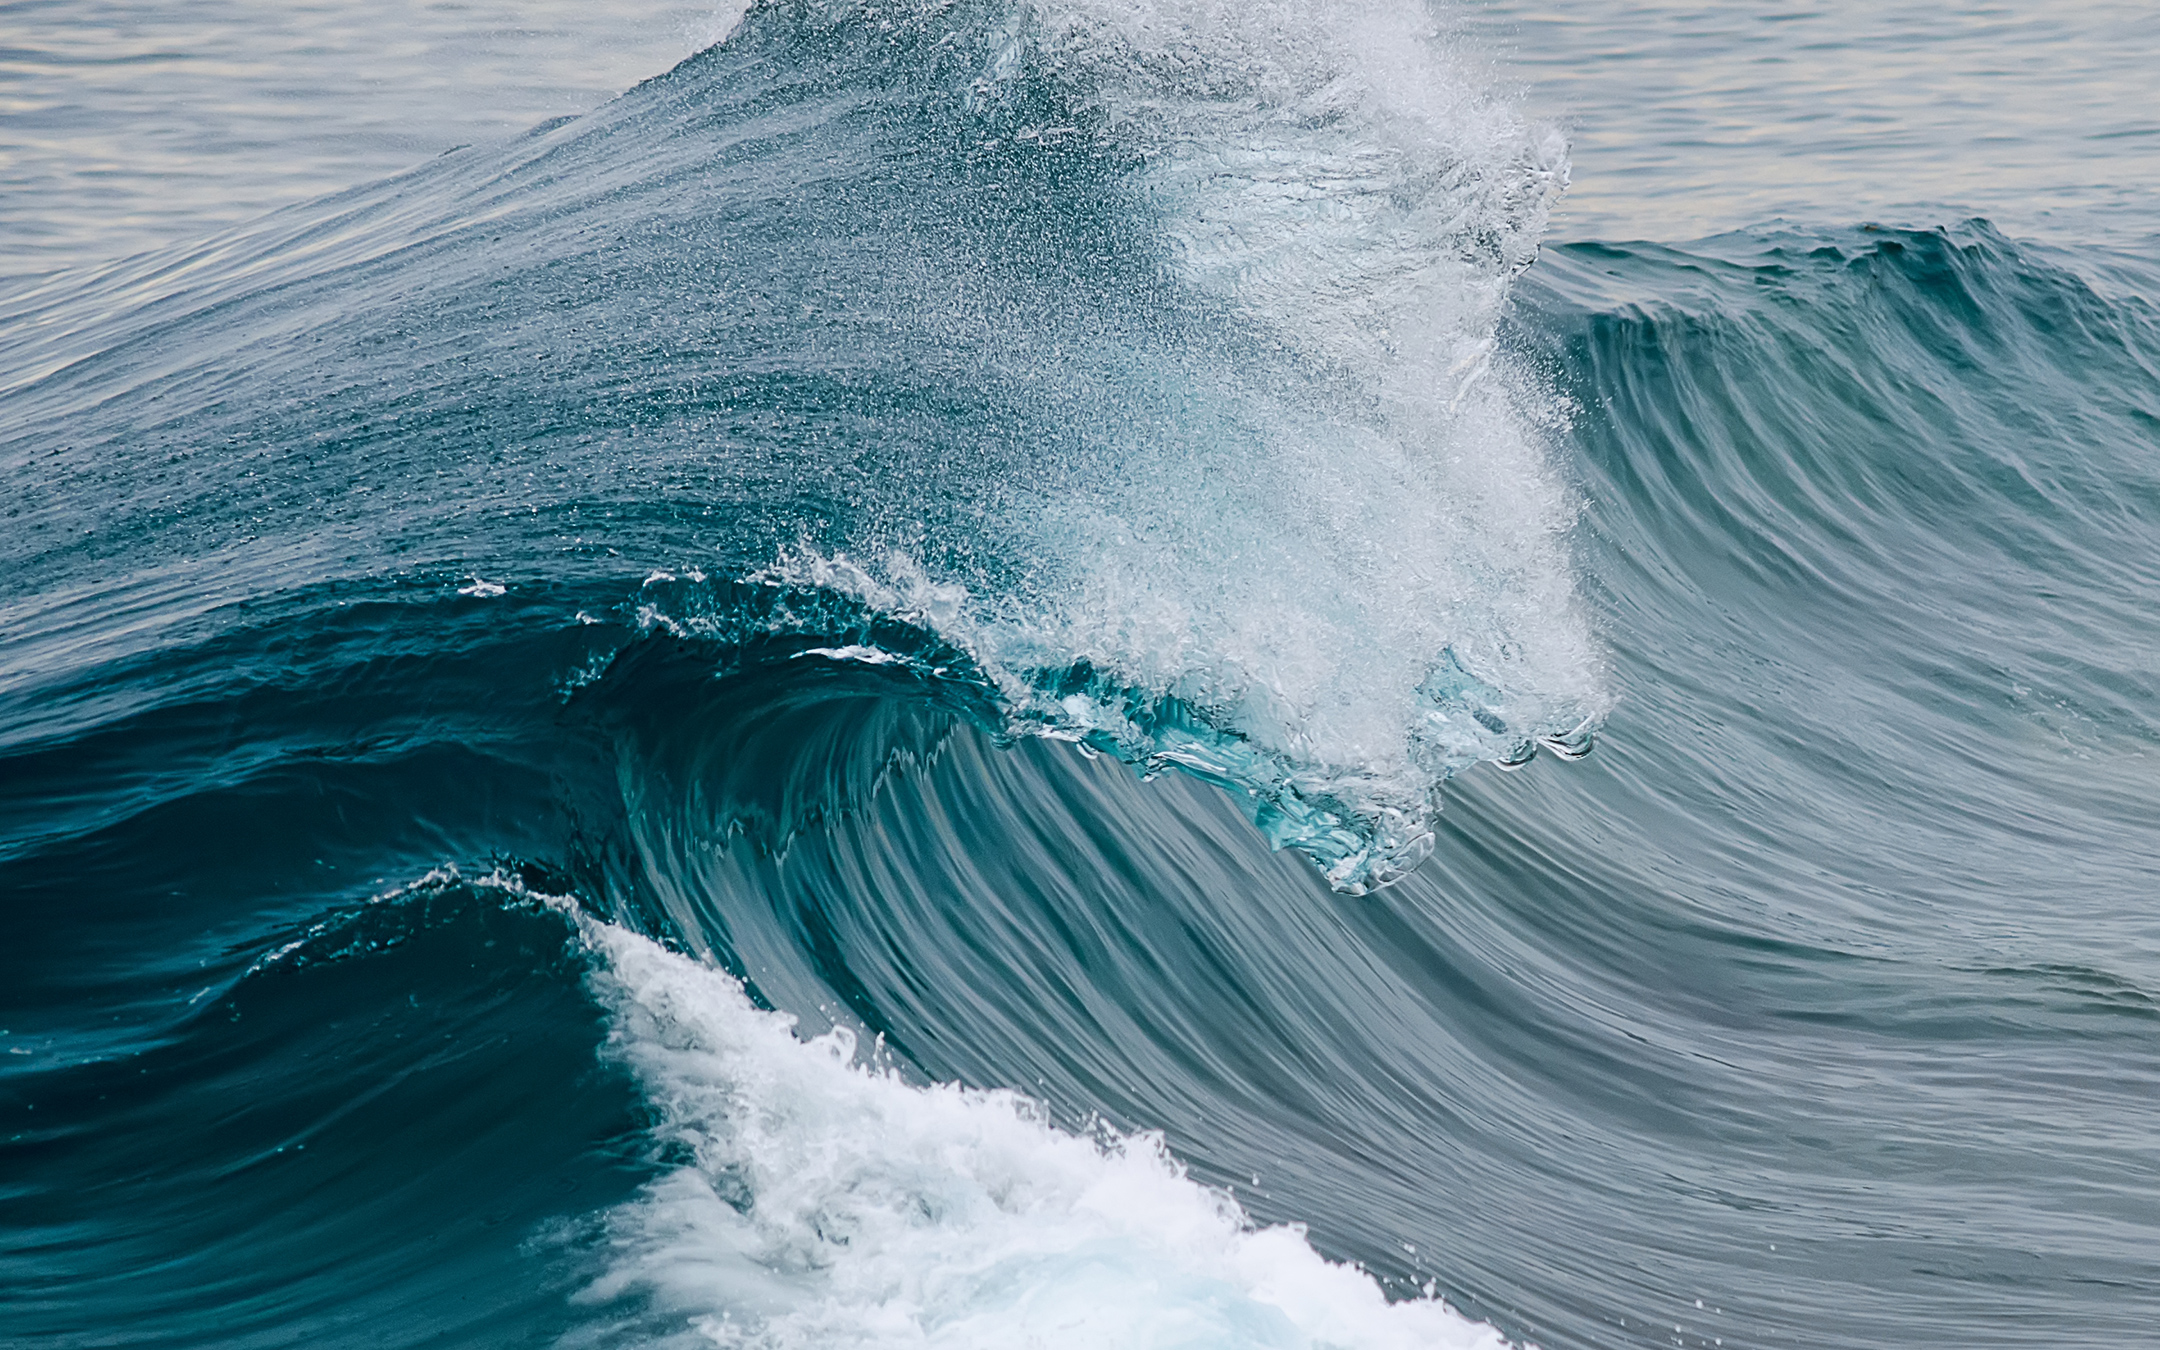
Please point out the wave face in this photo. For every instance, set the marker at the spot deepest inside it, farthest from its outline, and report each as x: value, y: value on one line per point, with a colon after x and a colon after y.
x: 1146, y: 360
x: 569, y: 728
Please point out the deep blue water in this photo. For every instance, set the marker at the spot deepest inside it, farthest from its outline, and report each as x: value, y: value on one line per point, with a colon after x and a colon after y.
x: 864, y: 699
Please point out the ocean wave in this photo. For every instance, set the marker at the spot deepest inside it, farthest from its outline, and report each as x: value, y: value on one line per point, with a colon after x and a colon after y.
x: 828, y: 1202
x: 1150, y: 356
x: 1877, y: 558
x: 767, y: 508
x: 806, y: 1191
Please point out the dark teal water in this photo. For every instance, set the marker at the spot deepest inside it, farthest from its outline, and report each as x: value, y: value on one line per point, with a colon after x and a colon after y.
x: 994, y: 535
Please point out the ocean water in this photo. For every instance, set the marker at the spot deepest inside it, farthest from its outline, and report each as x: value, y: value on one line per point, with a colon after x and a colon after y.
x: 978, y: 674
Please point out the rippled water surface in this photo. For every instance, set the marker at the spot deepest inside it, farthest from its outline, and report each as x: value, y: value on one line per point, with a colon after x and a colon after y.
x: 132, y: 125
x: 1690, y: 119
x: 982, y: 675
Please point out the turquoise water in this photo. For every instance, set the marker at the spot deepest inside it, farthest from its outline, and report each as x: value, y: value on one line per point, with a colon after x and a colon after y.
x: 972, y: 675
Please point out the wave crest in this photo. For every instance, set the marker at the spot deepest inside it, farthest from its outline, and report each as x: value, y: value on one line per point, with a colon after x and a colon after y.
x: 1365, y: 816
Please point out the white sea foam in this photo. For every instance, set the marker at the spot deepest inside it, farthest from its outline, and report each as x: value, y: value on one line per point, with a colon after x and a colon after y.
x: 827, y: 1204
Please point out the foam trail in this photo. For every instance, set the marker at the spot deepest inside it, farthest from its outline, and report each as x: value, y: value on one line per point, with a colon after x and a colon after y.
x: 831, y: 1205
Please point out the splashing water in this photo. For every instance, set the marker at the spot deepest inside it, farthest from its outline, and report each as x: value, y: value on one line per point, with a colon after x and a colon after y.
x: 828, y: 1204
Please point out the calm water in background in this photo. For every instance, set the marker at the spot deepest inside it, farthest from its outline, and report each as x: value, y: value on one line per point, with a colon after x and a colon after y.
x: 1687, y: 120
x: 134, y: 125
x: 128, y: 126
x: 707, y: 520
